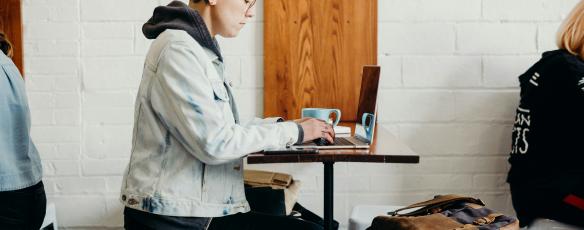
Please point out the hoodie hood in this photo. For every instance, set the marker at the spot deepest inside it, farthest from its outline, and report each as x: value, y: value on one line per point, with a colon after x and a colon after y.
x: 179, y: 16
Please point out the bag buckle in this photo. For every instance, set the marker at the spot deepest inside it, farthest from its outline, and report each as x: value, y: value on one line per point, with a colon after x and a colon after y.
x: 392, y: 213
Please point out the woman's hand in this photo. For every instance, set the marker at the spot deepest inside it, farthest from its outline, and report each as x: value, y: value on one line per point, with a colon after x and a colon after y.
x: 314, y: 129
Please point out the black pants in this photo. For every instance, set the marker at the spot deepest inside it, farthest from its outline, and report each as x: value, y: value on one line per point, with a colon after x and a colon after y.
x: 258, y: 221
x: 531, y: 203
x: 23, y: 209
x: 139, y: 220
x: 134, y: 220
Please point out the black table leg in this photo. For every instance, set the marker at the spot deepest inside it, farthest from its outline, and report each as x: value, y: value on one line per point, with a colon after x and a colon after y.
x: 328, y: 195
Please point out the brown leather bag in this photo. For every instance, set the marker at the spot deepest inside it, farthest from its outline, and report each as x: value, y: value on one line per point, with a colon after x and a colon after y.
x: 446, y: 212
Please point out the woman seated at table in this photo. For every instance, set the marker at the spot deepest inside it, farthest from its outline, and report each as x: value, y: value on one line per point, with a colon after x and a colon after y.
x: 186, y: 165
x: 547, y: 156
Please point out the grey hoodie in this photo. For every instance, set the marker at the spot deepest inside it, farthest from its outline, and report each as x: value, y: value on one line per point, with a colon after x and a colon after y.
x: 179, y: 16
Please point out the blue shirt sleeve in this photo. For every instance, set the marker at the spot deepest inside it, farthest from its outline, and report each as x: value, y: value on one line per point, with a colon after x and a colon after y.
x: 20, y: 165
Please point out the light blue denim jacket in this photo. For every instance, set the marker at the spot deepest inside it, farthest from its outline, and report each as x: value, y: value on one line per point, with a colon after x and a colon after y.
x: 188, y: 146
x: 20, y: 164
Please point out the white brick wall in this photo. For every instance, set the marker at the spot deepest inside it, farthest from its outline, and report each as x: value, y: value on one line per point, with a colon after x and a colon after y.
x: 496, y: 38
x: 449, y: 90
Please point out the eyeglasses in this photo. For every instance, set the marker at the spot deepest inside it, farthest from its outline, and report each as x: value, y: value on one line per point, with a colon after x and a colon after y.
x: 250, y: 2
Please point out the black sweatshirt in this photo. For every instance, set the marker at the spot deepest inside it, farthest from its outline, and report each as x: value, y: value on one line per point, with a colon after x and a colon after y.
x: 548, y: 135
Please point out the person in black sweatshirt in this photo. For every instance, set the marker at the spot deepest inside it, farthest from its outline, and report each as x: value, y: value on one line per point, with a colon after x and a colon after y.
x: 547, y: 155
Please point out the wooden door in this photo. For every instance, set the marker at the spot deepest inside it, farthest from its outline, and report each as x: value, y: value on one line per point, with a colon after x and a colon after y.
x: 11, y: 25
x: 314, y: 54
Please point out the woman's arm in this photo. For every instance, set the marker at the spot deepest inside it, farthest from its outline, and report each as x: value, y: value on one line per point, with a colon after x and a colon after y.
x: 183, y: 96
x: 259, y: 121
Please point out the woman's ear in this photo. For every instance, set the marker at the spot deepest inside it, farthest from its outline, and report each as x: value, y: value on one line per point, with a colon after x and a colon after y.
x: 212, y: 2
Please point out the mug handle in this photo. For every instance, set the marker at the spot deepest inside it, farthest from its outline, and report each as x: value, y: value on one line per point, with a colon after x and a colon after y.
x: 371, y: 122
x: 338, y: 118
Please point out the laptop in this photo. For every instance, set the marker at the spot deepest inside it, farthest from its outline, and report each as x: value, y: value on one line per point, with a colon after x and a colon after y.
x: 366, y: 113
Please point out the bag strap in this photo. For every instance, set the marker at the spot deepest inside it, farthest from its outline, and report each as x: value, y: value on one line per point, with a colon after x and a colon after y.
x: 437, y: 202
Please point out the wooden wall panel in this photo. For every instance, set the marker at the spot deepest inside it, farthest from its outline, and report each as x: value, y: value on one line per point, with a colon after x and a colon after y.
x: 11, y: 24
x: 314, y: 54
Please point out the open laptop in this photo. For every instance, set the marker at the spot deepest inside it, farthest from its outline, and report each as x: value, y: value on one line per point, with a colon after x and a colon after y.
x: 366, y: 113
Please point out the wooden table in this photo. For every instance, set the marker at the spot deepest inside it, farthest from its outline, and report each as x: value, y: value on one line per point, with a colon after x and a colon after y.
x: 386, y: 148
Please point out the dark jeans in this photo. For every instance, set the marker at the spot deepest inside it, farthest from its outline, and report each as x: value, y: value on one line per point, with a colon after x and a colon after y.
x: 23, y: 209
x: 134, y: 220
x: 259, y: 221
x: 139, y: 220
x: 532, y: 203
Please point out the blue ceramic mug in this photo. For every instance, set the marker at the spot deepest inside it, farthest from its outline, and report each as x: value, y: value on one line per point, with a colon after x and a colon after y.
x: 322, y: 114
x: 368, y: 123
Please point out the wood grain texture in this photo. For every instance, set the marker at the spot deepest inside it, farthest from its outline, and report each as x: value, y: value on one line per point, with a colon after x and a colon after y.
x: 314, y: 53
x: 11, y: 24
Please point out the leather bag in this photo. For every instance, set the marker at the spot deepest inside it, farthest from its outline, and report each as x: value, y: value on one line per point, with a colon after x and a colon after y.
x: 446, y: 212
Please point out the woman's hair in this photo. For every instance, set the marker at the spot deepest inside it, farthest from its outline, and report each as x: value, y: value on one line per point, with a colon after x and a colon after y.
x: 571, y: 33
x: 5, y: 45
x: 207, y: 1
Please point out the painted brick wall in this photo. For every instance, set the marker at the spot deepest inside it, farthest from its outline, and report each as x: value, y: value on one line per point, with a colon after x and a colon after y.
x: 449, y: 89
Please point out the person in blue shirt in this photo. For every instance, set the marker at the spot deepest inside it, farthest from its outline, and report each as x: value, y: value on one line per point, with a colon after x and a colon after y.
x: 22, y: 194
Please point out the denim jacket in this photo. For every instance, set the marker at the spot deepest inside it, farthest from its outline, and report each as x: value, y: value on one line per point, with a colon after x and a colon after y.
x: 188, y: 145
x: 20, y: 164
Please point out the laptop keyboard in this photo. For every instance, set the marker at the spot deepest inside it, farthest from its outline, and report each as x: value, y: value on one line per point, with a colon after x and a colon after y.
x: 338, y: 141
x: 342, y: 141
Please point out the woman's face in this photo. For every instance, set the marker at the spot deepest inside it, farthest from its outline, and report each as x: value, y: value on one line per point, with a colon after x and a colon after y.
x: 229, y: 16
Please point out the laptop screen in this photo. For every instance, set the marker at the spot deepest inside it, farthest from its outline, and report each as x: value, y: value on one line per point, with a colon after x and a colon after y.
x: 366, y: 112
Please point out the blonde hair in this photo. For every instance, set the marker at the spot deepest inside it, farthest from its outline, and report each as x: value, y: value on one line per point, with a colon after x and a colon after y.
x: 571, y: 33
